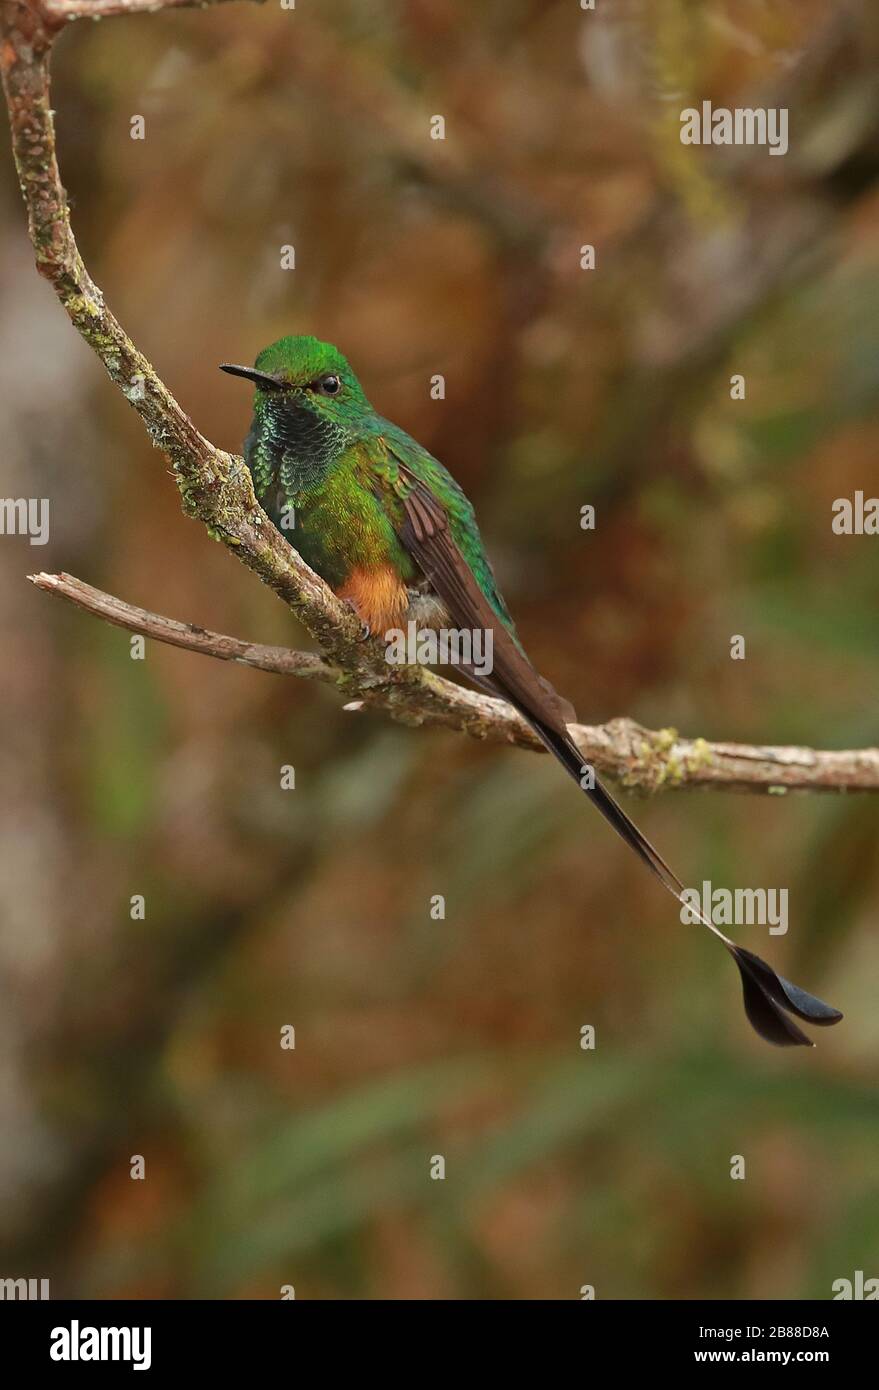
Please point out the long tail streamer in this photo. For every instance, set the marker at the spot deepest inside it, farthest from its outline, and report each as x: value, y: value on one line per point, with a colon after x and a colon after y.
x: 769, y: 998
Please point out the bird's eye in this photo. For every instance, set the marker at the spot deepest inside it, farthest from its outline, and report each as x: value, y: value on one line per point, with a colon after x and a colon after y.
x: 328, y: 386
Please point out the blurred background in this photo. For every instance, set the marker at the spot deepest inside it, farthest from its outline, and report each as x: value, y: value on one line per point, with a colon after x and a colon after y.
x: 311, y: 908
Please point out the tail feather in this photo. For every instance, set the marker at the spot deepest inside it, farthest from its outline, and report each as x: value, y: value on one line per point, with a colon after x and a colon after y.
x: 769, y: 998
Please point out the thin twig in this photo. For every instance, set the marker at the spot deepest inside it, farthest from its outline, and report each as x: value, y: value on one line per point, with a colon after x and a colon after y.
x: 280, y: 660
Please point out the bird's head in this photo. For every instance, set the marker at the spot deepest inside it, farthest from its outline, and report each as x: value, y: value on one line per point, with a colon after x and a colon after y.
x: 302, y: 373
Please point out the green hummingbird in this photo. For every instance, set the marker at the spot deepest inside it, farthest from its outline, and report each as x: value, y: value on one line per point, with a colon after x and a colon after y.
x: 388, y: 528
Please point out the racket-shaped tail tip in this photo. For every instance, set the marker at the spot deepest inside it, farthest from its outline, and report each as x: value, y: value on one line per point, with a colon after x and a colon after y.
x: 770, y: 999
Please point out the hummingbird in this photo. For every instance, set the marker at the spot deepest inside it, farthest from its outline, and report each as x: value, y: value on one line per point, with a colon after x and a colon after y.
x: 390, y: 531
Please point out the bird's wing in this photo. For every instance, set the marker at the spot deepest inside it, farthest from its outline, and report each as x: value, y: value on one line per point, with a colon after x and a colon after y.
x: 425, y: 532
x: 408, y: 466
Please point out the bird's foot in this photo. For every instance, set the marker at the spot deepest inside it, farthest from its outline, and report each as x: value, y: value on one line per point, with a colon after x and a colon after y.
x: 365, y: 632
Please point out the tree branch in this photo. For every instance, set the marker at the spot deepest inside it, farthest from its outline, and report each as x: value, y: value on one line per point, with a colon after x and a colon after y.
x: 189, y: 636
x: 63, y: 11
x: 642, y: 759
x: 216, y: 489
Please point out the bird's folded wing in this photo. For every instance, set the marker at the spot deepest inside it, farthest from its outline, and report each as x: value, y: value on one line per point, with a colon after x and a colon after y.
x: 427, y: 537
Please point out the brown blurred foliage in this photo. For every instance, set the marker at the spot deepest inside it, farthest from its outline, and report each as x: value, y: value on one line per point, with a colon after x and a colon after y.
x: 460, y: 1037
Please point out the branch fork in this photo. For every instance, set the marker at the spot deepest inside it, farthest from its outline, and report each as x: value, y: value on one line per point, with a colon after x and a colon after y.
x: 216, y: 489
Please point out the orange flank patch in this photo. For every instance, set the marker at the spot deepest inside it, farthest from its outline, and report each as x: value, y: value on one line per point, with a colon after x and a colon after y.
x: 379, y: 596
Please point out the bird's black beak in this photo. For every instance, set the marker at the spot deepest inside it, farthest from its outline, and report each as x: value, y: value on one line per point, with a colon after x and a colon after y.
x: 260, y: 379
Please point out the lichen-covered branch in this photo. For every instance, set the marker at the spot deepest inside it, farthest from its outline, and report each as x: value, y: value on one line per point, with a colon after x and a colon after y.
x: 642, y: 759
x: 216, y: 489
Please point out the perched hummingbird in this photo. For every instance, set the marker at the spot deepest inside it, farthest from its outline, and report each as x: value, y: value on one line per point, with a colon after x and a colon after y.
x: 389, y: 529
